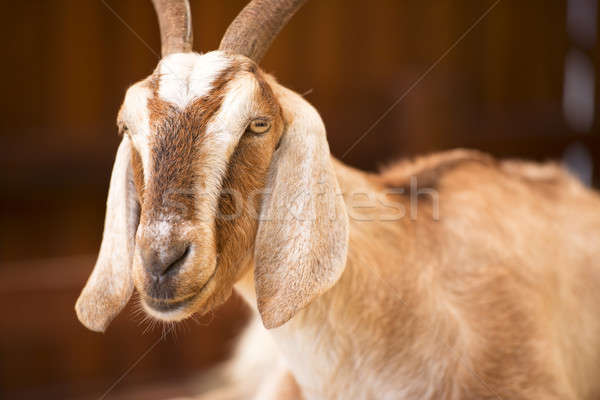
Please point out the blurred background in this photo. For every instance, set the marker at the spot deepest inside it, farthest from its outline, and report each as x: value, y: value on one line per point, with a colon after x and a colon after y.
x: 513, y: 78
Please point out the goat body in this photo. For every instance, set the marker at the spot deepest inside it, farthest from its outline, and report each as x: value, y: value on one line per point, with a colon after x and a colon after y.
x: 496, y: 298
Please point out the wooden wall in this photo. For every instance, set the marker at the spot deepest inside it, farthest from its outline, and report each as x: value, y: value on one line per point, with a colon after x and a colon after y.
x: 67, y: 64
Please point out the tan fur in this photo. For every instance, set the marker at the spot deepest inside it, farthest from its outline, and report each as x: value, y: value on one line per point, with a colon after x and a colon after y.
x: 497, y: 299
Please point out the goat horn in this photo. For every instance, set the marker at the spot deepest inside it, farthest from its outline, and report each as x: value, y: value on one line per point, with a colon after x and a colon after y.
x: 175, y: 21
x: 255, y: 27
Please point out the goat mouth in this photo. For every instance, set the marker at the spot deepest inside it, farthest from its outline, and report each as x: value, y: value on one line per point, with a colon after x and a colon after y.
x: 167, y: 305
x: 170, y: 309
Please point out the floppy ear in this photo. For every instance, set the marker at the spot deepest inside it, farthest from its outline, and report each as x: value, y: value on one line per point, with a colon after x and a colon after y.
x: 110, y: 285
x: 302, y: 238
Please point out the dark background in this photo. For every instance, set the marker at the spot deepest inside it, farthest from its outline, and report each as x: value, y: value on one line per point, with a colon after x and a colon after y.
x: 519, y: 83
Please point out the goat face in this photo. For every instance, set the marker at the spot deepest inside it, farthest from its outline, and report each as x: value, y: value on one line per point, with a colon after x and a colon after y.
x: 203, y: 130
x: 220, y: 169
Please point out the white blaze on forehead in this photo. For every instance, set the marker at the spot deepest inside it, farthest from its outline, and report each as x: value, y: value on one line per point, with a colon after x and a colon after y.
x: 185, y: 77
x: 237, y: 109
x: 137, y: 117
x: 225, y: 129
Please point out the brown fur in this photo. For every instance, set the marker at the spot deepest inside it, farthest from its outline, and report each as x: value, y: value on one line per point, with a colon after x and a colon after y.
x: 138, y: 172
x: 427, y: 170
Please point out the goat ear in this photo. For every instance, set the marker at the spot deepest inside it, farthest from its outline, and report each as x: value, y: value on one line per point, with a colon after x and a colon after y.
x: 110, y: 285
x: 302, y: 238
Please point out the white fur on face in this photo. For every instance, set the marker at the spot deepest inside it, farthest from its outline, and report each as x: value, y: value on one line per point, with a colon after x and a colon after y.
x: 223, y: 132
x: 185, y: 77
x: 137, y: 117
x: 169, y: 316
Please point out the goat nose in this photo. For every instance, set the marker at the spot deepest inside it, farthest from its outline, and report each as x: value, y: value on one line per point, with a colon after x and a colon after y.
x: 159, y: 264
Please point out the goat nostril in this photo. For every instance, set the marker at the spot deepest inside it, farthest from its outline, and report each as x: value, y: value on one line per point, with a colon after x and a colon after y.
x: 178, y: 262
x: 156, y: 278
x: 159, y: 265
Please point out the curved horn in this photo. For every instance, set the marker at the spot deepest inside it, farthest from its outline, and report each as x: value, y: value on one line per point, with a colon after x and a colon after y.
x: 255, y: 27
x: 175, y: 21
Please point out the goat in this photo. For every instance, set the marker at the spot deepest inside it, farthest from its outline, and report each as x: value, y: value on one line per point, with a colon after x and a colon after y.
x: 489, y: 289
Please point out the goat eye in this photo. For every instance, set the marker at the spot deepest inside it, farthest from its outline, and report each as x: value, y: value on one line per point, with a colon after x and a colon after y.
x: 259, y: 125
x: 123, y: 130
